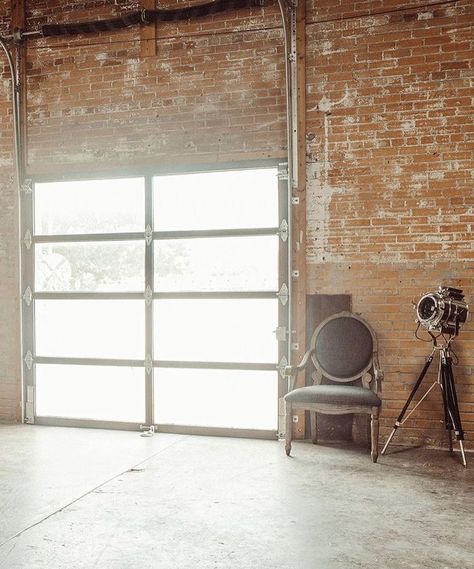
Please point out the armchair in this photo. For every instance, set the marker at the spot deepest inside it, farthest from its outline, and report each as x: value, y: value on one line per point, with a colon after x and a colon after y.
x: 343, y: 349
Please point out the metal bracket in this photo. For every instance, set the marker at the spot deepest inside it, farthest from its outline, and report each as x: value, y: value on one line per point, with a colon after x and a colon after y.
x: 28, y: 239
x: 283, y: 231
x: 295, y: 346
x: 148, y: 295
x: 148, y: 235
x: 295, y: 200
x: 295, y: 274
x: 28, y: 296
x: 283, y: 294
x: 281, y: 367
x: 29, y: 360
x: 148, y: 364
x: 148, y: 430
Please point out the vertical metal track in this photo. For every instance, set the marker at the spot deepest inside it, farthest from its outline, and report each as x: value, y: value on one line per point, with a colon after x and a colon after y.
x: 27, y: 255
x: 149, y: 286
x: 288, y: 15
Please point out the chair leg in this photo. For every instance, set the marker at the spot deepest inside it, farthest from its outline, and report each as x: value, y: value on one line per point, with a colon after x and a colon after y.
x: 289, y: 428
x: 374, y: 431
x: 314, y: 427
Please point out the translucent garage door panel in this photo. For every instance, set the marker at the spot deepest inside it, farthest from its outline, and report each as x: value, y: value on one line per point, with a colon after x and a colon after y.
x: 90, y: 206
x: 90, y: 267
x: 90, y: 328
x: 216, y: 200
x: 216, y: 330
x: 216, y: 398
x: 90, y: 392
x: 217, y: 264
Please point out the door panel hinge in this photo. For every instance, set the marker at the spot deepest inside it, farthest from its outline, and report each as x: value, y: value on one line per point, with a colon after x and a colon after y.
x: 28, y: 239
x: 148, y: 364
x: 283, y: 294
x: 28, y: 296
x: 148, y: 295
x: 281, y: 367
x: 148, y: 235
x: 28, y: 359
x: 283, y: 230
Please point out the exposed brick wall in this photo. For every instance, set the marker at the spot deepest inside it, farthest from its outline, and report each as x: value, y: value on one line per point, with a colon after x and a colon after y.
x: 216, y: 88
x: 389, y: 144
x: 390, y: 182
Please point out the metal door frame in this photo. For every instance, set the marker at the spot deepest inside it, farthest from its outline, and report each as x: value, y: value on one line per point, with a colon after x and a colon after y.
x: 150, y: 236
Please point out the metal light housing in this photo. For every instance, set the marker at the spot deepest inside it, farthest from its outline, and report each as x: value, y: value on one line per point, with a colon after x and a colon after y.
x: 443, y: 311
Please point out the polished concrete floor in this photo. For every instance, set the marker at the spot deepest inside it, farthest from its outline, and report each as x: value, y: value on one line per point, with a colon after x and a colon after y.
x: 80, y: 498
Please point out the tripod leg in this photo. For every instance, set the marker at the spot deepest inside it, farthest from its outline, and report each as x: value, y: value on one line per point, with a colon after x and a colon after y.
x: 453, y: 407
x: 409, y: 400
x: 442, y: 381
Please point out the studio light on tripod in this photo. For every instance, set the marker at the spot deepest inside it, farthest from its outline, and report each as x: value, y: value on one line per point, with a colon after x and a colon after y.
x: 443, y: 311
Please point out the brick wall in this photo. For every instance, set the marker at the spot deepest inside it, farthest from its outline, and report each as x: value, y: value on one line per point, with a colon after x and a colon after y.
x: 390, y: 182
x: 389, y: 146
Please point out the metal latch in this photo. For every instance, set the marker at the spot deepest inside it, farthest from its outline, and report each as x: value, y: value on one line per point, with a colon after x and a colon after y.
x: 281, y: 333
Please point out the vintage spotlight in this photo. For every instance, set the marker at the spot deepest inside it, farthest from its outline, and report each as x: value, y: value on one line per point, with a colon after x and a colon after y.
x: 443, y: 311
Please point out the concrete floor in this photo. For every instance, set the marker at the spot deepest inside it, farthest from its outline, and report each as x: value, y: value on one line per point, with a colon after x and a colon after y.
x: 81, y: 498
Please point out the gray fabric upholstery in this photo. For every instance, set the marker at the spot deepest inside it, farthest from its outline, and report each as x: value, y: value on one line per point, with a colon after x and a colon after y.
x: 343, y: 347
x: 334, y: 394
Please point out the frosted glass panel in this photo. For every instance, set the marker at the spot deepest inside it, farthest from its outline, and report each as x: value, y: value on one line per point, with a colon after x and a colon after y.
x: 217, y: 264
x: 216, y: 200
x: 90, y: 206
x: 216, y: 398
x: 216, y: 330
x: 90, y: 392
x: 84, y: 267
x: 90, y: 328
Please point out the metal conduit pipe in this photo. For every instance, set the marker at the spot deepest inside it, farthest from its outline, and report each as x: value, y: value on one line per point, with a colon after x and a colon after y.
x: 18, y: 166
x: 16, y: 114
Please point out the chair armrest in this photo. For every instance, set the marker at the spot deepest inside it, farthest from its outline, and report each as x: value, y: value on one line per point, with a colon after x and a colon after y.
x: 291, y: 371
x: 378, y: 372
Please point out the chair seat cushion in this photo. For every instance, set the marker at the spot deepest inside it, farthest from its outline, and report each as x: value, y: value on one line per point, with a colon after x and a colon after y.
x: 334, y: 394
